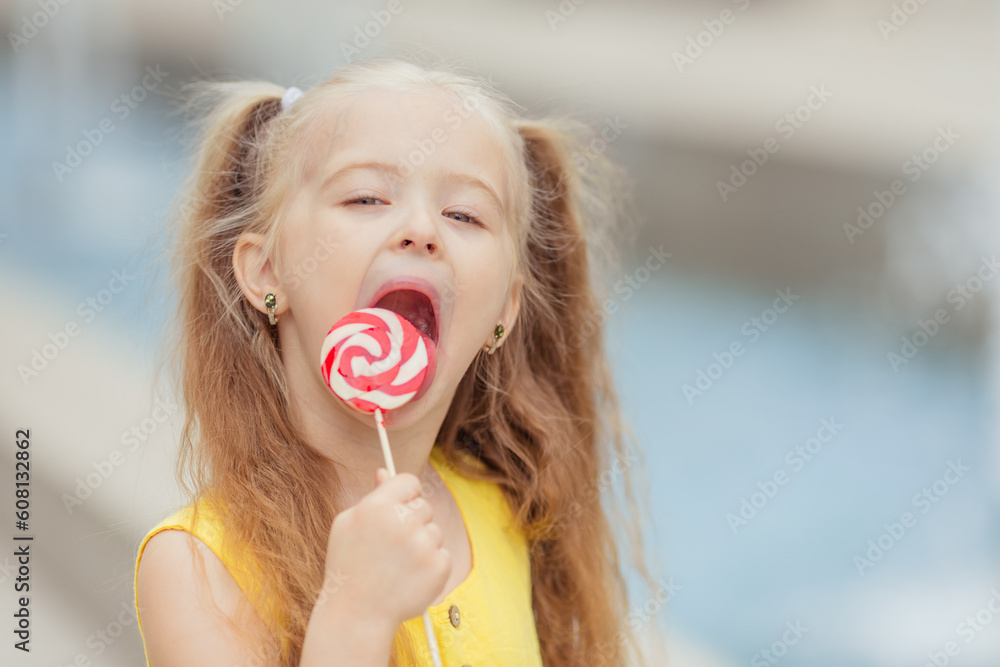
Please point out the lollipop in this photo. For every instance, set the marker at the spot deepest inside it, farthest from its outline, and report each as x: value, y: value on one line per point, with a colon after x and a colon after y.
x: 374, y: 359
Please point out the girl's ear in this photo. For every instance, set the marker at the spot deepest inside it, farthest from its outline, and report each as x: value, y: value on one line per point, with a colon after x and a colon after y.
x: 255, y: 273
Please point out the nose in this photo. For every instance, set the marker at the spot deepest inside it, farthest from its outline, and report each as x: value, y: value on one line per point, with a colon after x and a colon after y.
x: 419, y: 234
x: 431, y: 247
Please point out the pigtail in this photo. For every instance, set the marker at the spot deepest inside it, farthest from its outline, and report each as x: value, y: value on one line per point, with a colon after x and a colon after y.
x: 558, y: 268
x: 215, y: 207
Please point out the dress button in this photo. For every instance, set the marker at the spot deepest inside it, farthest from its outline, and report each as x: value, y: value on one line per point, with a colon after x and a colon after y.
x: 454, y: 616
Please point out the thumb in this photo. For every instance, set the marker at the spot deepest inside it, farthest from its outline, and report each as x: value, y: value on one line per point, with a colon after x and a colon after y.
x: 380, y: 476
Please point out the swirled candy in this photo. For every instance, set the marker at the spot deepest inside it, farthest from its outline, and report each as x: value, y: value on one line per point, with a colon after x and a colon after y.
x: 375, y: 358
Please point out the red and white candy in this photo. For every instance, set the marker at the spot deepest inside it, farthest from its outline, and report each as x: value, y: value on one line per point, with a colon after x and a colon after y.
x: 375, y: 358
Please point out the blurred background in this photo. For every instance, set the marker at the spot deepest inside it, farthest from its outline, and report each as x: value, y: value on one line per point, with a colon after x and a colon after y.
x: 815, y: 361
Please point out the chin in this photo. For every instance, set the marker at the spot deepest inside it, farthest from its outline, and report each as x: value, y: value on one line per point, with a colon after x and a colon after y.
x: 426, y: 401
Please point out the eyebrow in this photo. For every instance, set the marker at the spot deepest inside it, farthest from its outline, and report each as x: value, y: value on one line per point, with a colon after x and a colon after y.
x: 395, y: 171
x: 459, y: 178
x: 382, y: 167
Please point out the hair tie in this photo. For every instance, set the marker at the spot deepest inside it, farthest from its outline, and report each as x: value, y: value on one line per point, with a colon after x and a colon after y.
x: 288, y: 99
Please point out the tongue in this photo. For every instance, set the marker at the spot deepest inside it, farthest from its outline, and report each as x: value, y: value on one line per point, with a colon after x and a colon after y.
x: 414, y: 306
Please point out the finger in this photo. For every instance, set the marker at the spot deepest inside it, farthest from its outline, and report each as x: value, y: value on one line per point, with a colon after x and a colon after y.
x: 437, y: 537
x: 402, y: 488
x: 418, y: 509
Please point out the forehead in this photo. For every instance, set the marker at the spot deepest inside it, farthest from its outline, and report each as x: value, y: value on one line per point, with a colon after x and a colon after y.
x: 421, y: 130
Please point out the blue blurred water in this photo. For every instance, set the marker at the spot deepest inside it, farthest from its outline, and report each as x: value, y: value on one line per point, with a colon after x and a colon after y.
x: 794, y: 559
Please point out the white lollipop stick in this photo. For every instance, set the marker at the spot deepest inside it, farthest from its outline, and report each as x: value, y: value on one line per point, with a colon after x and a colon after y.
x: 391, y: 468
x: 383, y: 437
x: 431, y: 639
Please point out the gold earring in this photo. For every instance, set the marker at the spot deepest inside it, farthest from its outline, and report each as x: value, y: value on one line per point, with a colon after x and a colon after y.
x: 270, y: 302
x: 497, y: 335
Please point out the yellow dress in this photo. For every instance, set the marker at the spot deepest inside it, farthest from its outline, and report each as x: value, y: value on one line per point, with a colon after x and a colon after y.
x: 487, y: 620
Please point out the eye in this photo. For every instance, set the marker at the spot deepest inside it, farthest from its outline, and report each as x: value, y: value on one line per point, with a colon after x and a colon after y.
x: 365, y: 199
x: 466, y: 216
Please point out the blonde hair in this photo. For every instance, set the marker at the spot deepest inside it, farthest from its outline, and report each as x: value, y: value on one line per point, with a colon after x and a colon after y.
x: 542, y: 415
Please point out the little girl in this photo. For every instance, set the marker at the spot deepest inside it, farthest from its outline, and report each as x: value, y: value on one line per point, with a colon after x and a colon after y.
x: 423, y: 192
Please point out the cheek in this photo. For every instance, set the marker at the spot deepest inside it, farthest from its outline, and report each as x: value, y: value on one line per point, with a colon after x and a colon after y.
x: 484, y: 287
x: 319, y: 254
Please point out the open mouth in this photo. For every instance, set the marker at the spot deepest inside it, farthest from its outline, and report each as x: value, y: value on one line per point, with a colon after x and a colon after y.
x: 415, y: 307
